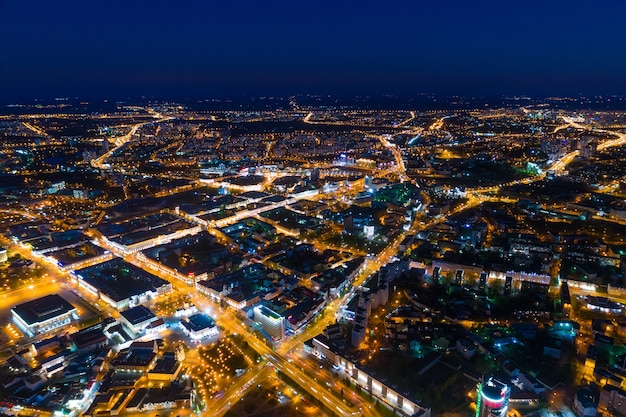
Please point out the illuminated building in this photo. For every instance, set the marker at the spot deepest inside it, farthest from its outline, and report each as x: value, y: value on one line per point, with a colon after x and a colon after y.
x: 273, y: 323
x: 493, y: 398
x: 138, y: 318
x: 508, y: 284
x: 91, y: 338
x: 199, y: 326
x: 166, y: 368
x: 121, y: 284
x: 436, y: 274
x: 482, y: 281
x: 613, y: 400
x: 44, y: 314
x: 139, y: 357
x: 603, y: 305
x: 459, y: 276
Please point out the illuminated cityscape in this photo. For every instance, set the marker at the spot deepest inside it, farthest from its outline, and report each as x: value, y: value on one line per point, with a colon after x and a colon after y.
x: 368, y: 209
x: 166, y: 257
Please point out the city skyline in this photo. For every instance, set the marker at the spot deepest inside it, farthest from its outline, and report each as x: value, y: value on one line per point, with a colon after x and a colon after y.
x: 370, y: 208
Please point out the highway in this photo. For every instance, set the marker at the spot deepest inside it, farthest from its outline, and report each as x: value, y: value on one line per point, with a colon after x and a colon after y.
x: 122, y: 140
x: 334, y: 383
x: 228, y: 320
x: 561, y: 127
x: 243, y: 384
x: 437, y: 124
x: 400, y: 168
x: 48, y: 284
x: 408, y: 120
x: 618, y: 141
x: 35, y: 129
x: 559, y: 165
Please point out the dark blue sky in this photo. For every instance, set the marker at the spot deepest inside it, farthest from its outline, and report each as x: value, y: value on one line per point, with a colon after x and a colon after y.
x: 207, y: 48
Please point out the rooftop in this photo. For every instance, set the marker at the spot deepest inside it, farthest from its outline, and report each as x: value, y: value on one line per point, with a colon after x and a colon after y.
x: 198, y: 322
x: 166, y: 365
x: 44, y: 308
x: 119, y: 280
x: 88, y: 337
x: 137, y: 314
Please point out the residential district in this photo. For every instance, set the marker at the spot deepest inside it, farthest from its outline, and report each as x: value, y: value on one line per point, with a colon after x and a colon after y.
x: 302, y: 256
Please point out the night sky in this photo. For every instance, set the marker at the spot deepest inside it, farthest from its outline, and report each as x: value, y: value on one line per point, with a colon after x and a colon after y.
x: 209, y: 48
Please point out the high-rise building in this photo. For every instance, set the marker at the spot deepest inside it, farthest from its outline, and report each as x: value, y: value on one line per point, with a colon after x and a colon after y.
x: 482, y: 281
x: 493, y: 398
x: 508, y: 284
x: 459, y: 276
x: 272, y: 322
x: 436, y: 274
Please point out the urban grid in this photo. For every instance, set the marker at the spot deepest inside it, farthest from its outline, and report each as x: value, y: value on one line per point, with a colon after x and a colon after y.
x: 309, y: 258
x: 319, y: 208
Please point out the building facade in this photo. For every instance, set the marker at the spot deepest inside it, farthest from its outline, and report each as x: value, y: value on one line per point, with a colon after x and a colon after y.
x: 273, y: 323
x: 44, y: 314
x: 493, y: 398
